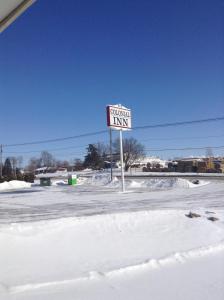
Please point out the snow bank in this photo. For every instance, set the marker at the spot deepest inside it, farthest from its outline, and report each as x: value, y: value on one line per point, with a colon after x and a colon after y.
x: 85, y: 247
x: 14, y: 185
x: 151, y: 183
x: 60, y: 182
x: 81, y: 180
x: 67, y: 258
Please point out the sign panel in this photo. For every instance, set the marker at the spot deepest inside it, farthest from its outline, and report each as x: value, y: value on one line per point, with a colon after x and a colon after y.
x: 118, y: 117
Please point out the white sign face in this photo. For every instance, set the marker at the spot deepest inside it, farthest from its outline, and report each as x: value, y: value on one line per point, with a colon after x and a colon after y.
x: 118, y: 117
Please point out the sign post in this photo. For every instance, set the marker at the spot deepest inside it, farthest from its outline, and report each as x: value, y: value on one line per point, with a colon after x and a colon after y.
x: 122, y: 163
x: 1, y: 161
x: 119, y: 118
x: 111, y: 158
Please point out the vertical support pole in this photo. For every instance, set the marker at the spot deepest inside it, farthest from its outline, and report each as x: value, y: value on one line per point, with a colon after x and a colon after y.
x: 122, y: 163
x: 15, y: 165
x: 111, y: 158
x: 1, y: 160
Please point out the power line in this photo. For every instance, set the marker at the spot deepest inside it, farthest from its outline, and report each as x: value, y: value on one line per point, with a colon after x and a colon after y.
x: 38, y: 151
x: 182, y: 138
x: 81, y: 146
x: 54, y: 149
x: 183, y: 149
x: 105, y: 131
x: 179, y: 123
x: 57, y: 139
x: 72, y: 155
x: 147, y: 150
x: 151, y: 150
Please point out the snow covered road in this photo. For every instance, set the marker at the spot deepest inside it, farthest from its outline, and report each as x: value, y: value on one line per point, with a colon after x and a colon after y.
x: 61, y: 201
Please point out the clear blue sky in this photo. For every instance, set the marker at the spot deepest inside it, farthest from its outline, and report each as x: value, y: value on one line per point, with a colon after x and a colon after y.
x: 62, y: 62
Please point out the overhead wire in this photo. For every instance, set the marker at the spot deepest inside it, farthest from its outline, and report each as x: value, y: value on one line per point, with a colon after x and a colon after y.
x: 81, y: 146
x: 183, y: 138
x: 187, y: 148
x: 179, y: 123
x: 57, y: 139
x: 105, y: 131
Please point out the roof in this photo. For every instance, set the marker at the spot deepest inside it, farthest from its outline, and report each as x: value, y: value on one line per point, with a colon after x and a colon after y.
x: 11, y: 9
x: 190, y: 159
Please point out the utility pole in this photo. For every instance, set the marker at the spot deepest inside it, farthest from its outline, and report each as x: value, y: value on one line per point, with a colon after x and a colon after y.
x: 1, y: 150
x: 111, y: 158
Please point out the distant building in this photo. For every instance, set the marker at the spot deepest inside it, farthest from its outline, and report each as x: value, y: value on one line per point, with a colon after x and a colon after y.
x: 150, y: 162
x: 200, y: 165
x: 188, y: 165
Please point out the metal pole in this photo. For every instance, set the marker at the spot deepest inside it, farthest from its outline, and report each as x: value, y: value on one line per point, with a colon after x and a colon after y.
x: 122, y: 163
x: 1, y: 160
x: 111, y: 158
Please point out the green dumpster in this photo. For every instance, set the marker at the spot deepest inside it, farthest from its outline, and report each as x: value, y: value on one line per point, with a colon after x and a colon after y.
x: 72, y: 179
x: 45, y: 181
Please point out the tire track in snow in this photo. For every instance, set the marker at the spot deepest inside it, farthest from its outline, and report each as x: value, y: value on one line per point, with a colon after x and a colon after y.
x: 178, y: 257
x: 150, y: 264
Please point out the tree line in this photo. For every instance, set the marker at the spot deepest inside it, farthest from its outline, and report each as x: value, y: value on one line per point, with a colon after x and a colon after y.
x: 99, y: 153
x: 11, y: 170
x: 97, y: 157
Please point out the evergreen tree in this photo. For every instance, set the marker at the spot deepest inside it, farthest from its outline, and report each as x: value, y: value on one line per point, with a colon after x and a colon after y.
x: 7, y: 168
x: 93, y: 159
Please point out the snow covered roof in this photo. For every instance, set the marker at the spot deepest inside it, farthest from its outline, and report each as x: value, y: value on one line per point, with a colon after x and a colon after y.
x: 152, y: 160
x: 190, y: 159
x: 42, y: 169
x: 11, y: 9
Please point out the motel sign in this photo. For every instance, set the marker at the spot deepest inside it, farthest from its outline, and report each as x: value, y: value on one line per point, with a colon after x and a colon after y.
x: 118, y: 117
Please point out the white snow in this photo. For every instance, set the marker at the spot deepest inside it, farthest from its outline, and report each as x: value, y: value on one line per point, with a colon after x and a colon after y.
x: 59, y: 182
x: 90, y: 241
x: 14, y: 185
x: 151, y: 183
x: 152, y: 160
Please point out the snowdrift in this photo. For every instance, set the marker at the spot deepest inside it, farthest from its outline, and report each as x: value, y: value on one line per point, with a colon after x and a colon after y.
x: 80, y: 181
x: 14, y: 185
x: 151, y: 183
x: 43, y: 253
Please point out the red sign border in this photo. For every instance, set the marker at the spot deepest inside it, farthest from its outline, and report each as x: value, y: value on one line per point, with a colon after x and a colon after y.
x: 108, y: 117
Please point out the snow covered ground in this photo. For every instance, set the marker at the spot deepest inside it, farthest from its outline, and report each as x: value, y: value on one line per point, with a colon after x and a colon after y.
x: 91, y: 241
x: 14, y: 185
x: 132, y: 172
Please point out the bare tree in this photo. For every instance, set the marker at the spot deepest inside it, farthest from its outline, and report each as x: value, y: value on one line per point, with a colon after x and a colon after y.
x: 62, y: 164
x: 78, y: 164
x: 102, y: 149
x: 33, y: 164
x: 13, y: 160
x: 132, y: 151
x: 47, y: 159
x: 19, y: 161
x: 16, y: 164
